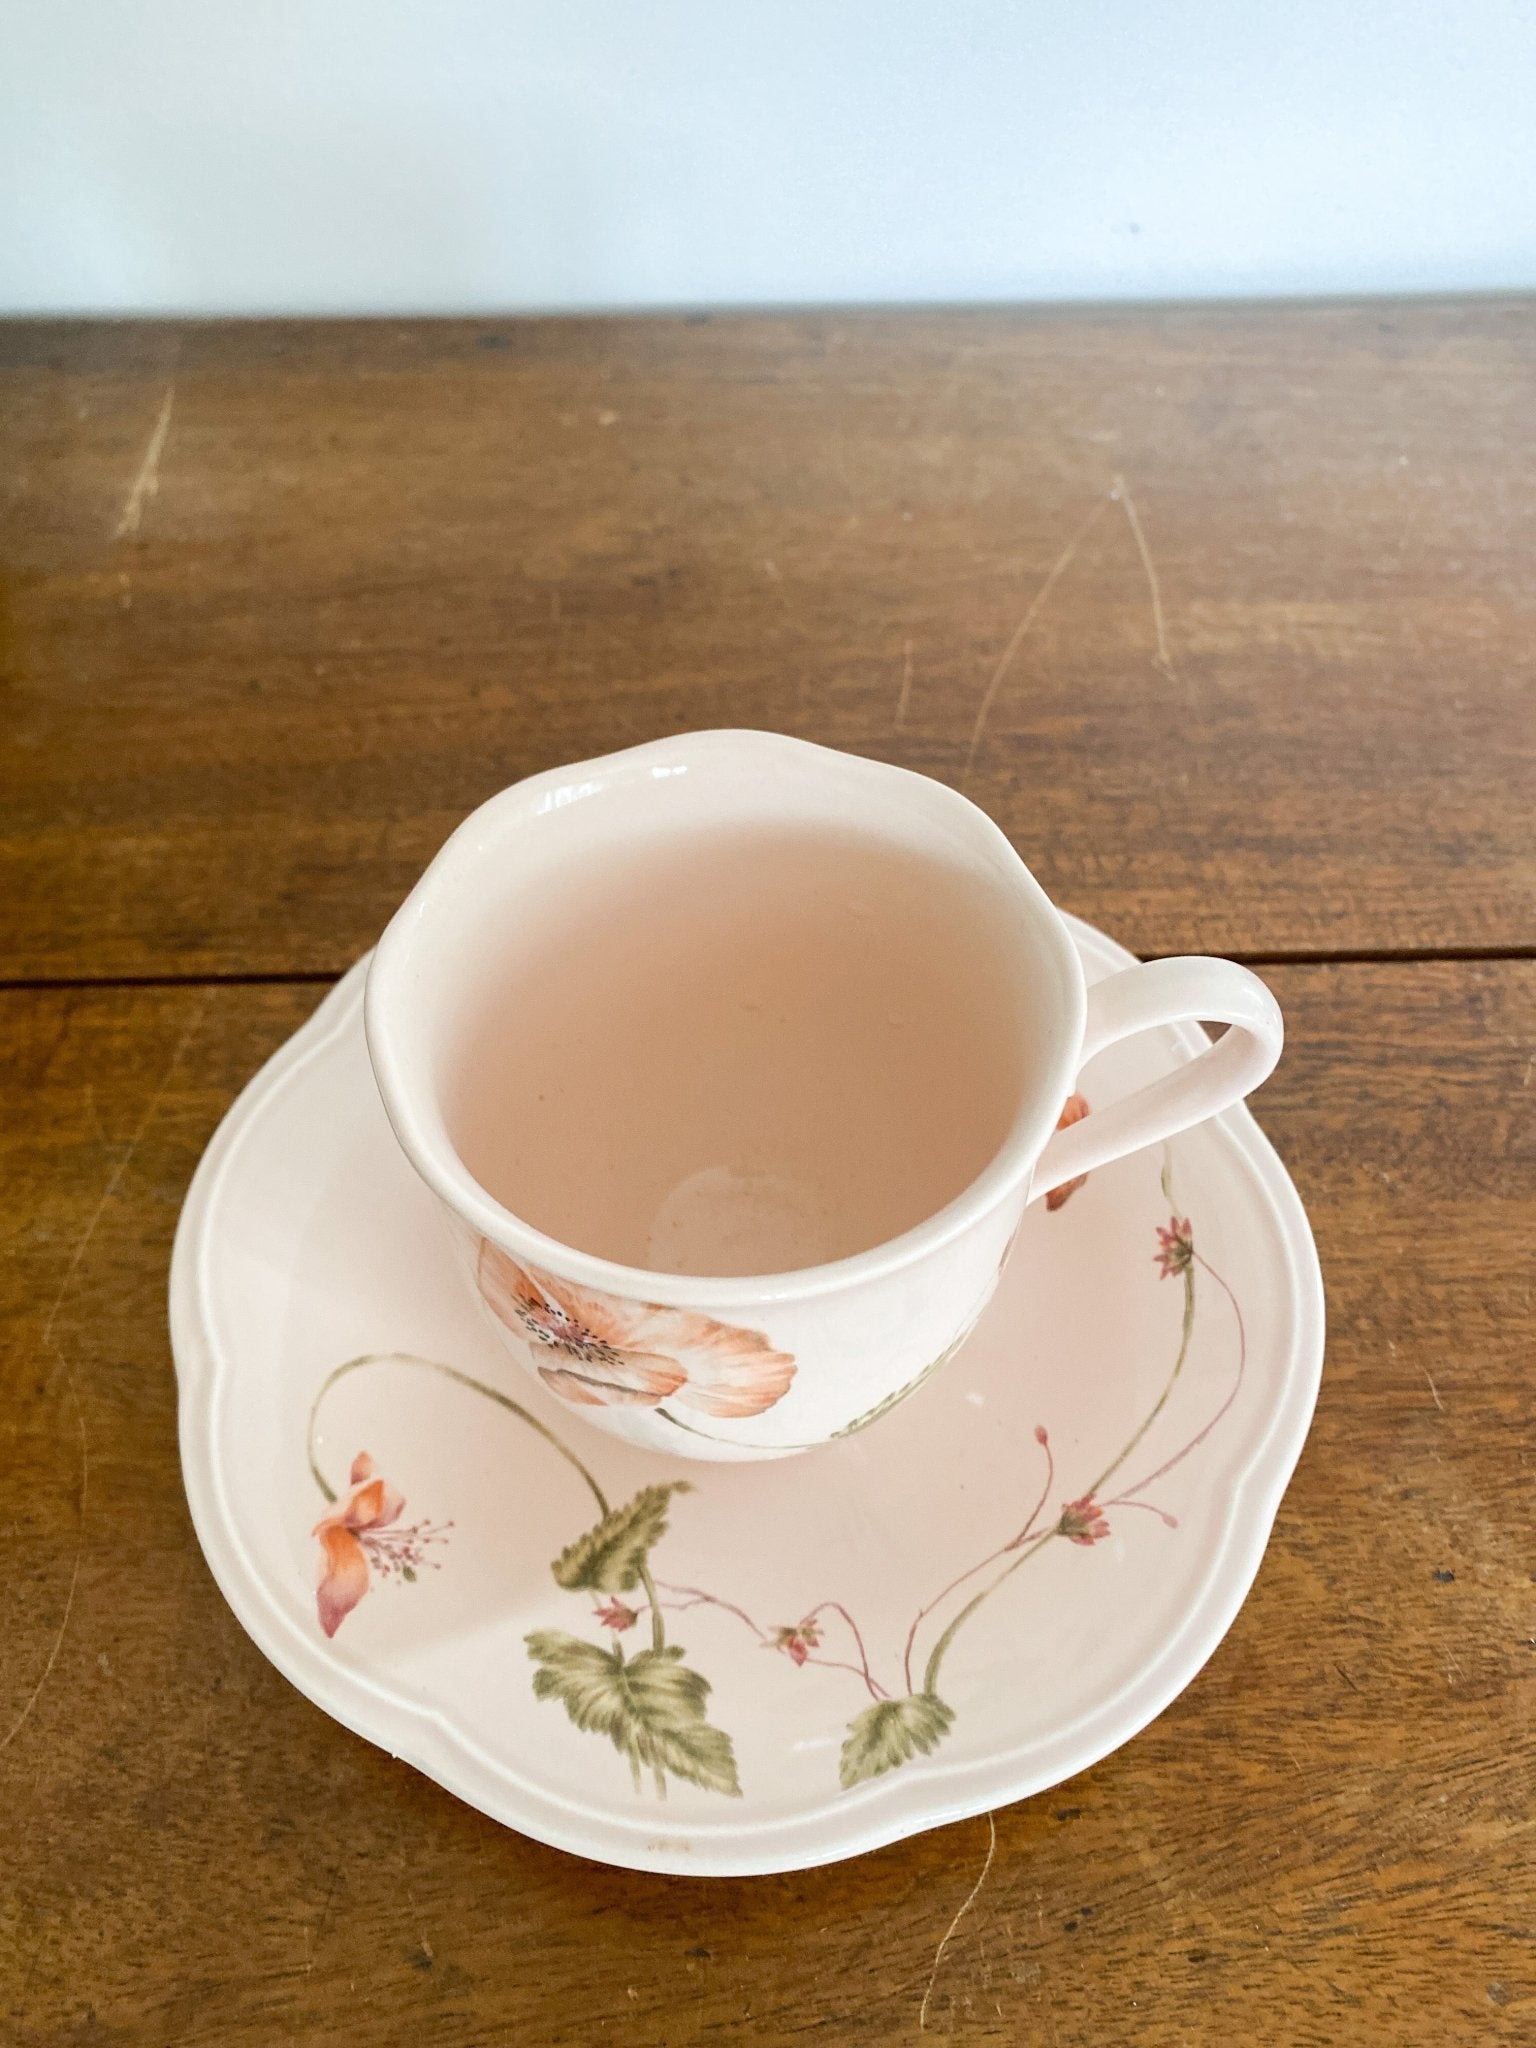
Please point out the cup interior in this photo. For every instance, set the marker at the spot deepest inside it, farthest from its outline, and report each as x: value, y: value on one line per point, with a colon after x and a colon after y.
x: 728, y: 1008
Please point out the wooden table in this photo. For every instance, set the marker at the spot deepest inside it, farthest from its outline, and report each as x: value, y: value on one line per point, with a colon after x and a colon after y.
x: 1229, y: 617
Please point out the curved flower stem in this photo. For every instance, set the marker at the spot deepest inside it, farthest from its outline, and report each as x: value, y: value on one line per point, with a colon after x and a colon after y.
x: 1125, y: 1500
x: 971, y: 1570
x: 937, y: 1653
x: 1198, y: 1439
x: 876, y: 1690
x: 447, y: 1372
x: 695, y: 1596
x: 658, y: 1626
x: 658, y: 1642
x: 1162, y: 1400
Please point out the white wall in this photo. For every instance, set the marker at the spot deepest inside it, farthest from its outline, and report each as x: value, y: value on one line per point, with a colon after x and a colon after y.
x: 437, y: 155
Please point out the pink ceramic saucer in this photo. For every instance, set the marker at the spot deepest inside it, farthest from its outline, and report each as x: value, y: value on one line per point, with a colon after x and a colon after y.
x: 749, y: 1668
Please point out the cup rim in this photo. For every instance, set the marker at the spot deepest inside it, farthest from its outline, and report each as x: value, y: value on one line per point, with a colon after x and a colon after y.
x: 424, y: 1138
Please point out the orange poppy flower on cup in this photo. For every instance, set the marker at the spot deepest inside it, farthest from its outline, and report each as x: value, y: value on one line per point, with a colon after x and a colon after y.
x: 598, y: 1350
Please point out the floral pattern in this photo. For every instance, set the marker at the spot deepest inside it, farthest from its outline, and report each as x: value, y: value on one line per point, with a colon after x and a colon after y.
x: 1083, y: 1521
x: 649, y: 1703
x: 596, y: 1350
x: 798, y: 1641
x: 1176, y: 1248
x: 615, y: 1616
x: 1074, y: 1112
x: 360, y: 1536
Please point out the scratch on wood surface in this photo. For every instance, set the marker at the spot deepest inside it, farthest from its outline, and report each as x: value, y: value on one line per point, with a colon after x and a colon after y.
x: 1016, y: 640
x: 1434, y: 1390
x: 1122, y: 491
x: 147, y: 482
x: 114, y: 1179
x: 95, y: 1113
x: 74, y: 1575
x: 965, y: 1907
x: 906, y: 684
x: 47, y: 1342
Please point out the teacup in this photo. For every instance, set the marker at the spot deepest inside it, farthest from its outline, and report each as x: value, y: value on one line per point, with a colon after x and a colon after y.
x: 735, y: 1061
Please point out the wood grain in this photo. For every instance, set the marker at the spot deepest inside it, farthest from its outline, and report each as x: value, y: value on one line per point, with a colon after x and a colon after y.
x: 1327, y: 1838
x: 279, y: 603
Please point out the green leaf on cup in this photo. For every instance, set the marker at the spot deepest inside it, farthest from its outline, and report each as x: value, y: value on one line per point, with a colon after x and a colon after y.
x: 902, y: 1393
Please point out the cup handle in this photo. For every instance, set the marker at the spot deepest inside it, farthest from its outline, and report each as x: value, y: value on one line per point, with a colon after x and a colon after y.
x: 1139, y: 999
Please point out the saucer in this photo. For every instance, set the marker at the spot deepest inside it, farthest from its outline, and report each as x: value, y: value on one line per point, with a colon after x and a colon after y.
x: 735, y: 1669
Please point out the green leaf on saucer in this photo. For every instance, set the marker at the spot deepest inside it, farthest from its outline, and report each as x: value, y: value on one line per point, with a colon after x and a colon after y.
x: 651, y: 1707
x: 891, y: 1733
x: 610, y: 1557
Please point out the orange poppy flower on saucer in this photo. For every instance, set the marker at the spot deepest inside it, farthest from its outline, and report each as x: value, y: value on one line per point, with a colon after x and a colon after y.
x: 347, y: 1535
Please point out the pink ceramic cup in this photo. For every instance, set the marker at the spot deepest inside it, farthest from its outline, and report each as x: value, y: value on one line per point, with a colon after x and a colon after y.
x: 762, y: 1365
